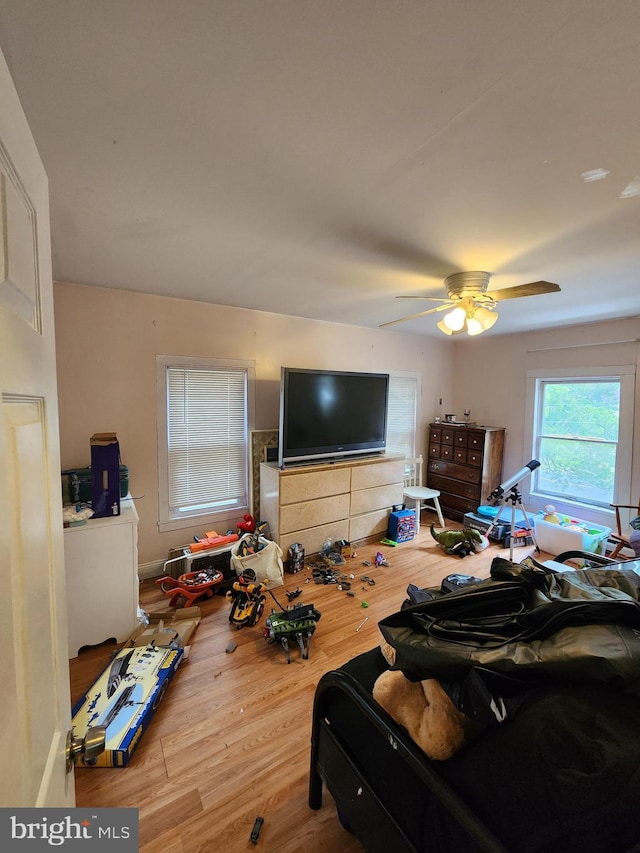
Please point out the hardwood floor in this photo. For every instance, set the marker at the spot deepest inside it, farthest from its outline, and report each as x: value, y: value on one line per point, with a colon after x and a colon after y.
x: 231, y: 739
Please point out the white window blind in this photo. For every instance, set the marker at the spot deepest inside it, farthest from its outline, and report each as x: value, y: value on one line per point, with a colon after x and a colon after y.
x: 206, y: 440
x: 402, y: 410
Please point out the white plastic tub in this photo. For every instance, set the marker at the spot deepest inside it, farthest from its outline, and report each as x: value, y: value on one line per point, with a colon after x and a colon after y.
x: 556, y: 538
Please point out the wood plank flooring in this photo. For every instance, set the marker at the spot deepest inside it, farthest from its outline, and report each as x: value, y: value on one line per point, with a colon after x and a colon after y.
x: 231, y: 739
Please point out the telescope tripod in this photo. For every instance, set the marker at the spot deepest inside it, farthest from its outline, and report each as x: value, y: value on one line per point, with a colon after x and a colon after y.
x: 515, y: 499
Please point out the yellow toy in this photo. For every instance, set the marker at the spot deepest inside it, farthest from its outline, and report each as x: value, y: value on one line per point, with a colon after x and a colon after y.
x: 550, y: 514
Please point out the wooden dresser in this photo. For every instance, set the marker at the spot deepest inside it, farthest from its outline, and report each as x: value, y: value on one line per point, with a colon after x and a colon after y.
x: 465, y: 464
x: 346, y: 499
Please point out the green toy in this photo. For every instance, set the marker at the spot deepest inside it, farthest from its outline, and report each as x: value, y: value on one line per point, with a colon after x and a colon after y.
x: 460, y: 542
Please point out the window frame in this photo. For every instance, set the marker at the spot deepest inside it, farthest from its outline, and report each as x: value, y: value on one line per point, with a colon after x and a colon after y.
x: 416, y: 380
x: 625, y: 375
x: 223, y: 518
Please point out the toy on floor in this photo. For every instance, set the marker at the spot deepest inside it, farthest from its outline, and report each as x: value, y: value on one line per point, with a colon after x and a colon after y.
x: 190, y: 586
x: 460, y: 542
x: 247, y: 599
x: 297, y: 623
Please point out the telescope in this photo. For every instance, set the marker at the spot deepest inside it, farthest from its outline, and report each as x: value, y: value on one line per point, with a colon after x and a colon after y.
x: 498, y: 492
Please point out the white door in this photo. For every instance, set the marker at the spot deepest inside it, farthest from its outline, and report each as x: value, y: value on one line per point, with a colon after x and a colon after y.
x: 34, y: 669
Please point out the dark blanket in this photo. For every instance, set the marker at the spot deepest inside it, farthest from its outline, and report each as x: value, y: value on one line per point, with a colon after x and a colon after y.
x: 492, y: 641
x: 562, y: 775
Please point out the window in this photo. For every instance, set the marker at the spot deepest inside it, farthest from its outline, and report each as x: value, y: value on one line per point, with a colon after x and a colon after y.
x: 204, y: 417
x: 402, y: 413
x: 581, y: 428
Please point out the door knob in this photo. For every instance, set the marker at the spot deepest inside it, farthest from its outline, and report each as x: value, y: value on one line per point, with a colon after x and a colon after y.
x: 90, y: 746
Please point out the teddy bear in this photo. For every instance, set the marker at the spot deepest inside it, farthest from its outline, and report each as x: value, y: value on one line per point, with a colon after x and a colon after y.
x: 423, y: 708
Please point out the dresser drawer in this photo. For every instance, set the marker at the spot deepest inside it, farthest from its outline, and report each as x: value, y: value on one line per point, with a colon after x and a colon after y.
x: 456, y: 487
x: 313, y: 538
x: 309, y: 485
x: 451, y: 469
x: 447, y: 436
x: 369, y: 524
x: 474, y: 457
x: 460, y: 437
x: 455, y: 506
x: 475, y: 441
x: 369, y: 476
x: 382, y: 497
x: 313, y: 513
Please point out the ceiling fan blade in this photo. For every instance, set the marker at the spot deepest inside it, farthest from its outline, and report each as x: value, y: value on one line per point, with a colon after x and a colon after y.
x: 533, y: 288
x: 414, y: 316
x: 431, y: 298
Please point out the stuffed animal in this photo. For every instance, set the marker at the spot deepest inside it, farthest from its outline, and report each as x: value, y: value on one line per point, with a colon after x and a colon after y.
x: 247, y: 525
x: 424, y: 710
x: 460, y: 542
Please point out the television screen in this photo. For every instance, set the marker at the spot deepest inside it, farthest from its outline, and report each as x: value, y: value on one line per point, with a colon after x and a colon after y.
x: 328, y: 413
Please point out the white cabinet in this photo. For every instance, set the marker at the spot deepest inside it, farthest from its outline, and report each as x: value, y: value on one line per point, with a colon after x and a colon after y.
x: 340, y: 500
x: 101, y: 562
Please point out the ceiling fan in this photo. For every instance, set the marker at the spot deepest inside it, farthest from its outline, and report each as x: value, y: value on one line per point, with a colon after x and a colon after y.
x: 471, y: 303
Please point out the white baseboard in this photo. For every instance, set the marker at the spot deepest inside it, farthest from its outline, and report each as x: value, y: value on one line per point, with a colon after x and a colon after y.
x: 154, y: 569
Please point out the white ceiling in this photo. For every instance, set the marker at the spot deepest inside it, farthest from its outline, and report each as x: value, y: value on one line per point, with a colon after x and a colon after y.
x: 320, y: 157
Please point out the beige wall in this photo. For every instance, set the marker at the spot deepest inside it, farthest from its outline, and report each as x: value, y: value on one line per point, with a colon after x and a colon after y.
x: 490, y: 379
x: 107, y: 341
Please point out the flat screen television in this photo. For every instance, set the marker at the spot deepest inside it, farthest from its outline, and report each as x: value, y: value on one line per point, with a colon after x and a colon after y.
x: 331, y: 413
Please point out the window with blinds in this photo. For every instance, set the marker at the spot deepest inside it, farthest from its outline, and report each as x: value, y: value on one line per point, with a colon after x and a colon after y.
x: 204, y: 470
x: 402, y: 413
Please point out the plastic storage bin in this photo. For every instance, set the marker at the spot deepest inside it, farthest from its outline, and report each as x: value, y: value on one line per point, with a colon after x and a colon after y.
x: 402, y: 525
x: 556, y: 538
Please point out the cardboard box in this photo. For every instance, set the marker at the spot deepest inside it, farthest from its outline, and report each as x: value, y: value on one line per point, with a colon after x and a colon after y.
x: 556, y: 538
x: 124, y: 698
x: 167, y: 628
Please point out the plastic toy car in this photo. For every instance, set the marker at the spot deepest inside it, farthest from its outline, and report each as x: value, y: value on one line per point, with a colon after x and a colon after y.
x: 247, y: 599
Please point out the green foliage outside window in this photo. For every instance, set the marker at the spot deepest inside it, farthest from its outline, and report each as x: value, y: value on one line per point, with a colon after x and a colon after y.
x: 577, y: 440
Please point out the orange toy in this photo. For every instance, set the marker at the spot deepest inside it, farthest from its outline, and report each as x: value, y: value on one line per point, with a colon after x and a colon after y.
x: 212, y: 540
x: 190, y: 586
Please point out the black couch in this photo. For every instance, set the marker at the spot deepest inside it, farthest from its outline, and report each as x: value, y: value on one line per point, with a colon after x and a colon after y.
x: 561, y: 774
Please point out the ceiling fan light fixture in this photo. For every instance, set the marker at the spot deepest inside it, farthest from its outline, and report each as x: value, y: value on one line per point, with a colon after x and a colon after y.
x: 483, y: 319
x: 473, y: 326
x: 454, y: 320
x: 444, y: 328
